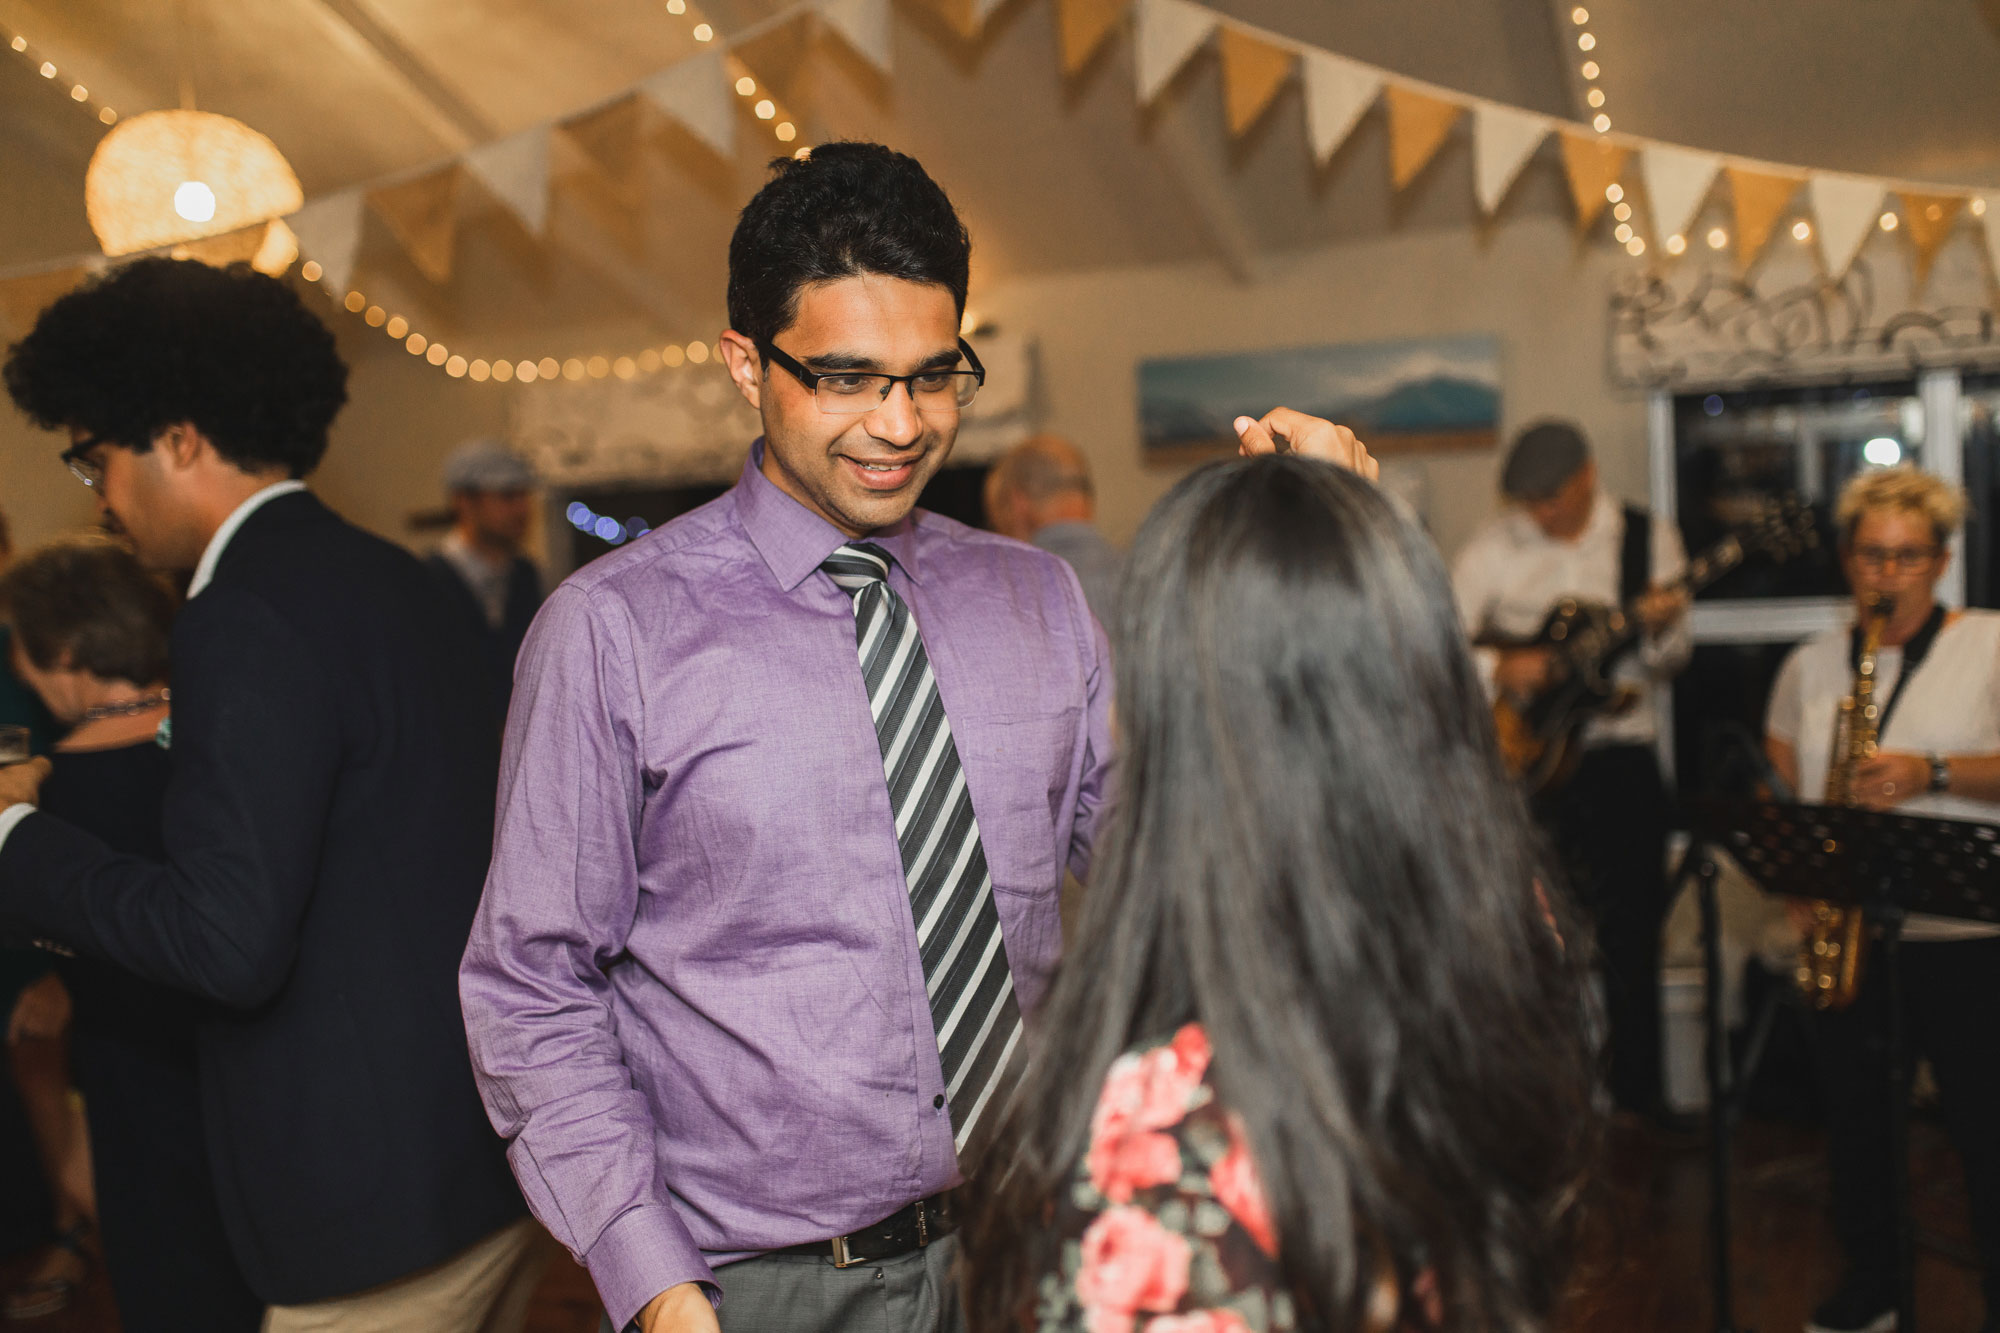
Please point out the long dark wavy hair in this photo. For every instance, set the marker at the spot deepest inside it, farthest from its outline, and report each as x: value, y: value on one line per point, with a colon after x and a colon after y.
x: 1316, y: 852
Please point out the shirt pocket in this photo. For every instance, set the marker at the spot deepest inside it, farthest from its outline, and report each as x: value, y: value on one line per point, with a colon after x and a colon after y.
x: 1019, y: 767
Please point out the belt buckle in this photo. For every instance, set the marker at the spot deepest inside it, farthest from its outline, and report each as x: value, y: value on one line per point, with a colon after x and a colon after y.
x: 841, y: 1258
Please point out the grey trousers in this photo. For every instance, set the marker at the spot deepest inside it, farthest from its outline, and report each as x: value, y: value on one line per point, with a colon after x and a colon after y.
x: 790, y: 1293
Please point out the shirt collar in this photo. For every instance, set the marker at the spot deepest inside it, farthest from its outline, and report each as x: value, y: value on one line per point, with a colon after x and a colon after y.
x: 211, y: 556
x: 793, y: 540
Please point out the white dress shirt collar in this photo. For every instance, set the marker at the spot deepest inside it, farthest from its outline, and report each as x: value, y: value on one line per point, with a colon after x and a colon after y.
x: 204, y: 570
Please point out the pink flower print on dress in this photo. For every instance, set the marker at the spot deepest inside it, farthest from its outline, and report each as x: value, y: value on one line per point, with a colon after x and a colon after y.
x: 1238, y: 1188
x: 1130, y: 1264
x: 1142, y: 1093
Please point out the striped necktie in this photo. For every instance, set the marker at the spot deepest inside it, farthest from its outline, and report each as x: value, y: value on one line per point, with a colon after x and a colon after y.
x: 971, y: 991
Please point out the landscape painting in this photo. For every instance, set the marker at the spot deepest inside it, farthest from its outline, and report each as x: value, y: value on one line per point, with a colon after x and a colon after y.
x: 1423, y: 395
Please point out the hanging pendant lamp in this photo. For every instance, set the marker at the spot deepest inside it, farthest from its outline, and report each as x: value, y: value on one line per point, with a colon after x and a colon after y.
x: 168, y: 177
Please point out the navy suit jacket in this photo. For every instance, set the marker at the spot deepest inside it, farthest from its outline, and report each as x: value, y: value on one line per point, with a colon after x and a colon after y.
x: 328, y: 826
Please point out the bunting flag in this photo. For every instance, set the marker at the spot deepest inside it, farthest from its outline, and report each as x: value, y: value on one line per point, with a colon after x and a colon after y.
x: 1761, y: 199
x: 1338, y: 92
x: 863, y: 25
x: 515, y: 171
x: 329, y: 232
x: 1593, y: 166
x: 23, y: 299
x: 277, y: 251
x: 1503, y: 140
x: 696, y: 94
x: 1848, y: 209
x: 1165, y: 34
x: 422, y: 215
x: 1677, y: 183
x: 1253, y: 71
x: 1928, y: 220
x: 1418, y: 124
x: 611, y: 139
x: 1082, y: 26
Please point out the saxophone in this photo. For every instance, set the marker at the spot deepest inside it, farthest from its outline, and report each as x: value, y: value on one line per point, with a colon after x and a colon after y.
x: 1829, y: 971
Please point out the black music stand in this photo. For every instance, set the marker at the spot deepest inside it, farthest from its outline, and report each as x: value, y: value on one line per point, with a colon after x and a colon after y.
x: 1884, y: 863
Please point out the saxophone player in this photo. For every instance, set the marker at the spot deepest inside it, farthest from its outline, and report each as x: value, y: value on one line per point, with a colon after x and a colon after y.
x: 1937, y: 682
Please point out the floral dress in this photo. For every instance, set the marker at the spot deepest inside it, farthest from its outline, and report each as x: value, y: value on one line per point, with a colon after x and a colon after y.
x: 1165, y: 1228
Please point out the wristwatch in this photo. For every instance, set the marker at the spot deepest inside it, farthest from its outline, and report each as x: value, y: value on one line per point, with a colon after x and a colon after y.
x: 1940, y: 772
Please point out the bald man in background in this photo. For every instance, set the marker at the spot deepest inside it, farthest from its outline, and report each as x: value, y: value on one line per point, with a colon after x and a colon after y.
x: 1039, y: 492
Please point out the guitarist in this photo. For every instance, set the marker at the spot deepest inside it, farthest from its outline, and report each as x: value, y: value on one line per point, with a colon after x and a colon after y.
x: 1561, y: 536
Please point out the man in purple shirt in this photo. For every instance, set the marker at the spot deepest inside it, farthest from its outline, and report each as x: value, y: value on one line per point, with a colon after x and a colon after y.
x: 788, y: 793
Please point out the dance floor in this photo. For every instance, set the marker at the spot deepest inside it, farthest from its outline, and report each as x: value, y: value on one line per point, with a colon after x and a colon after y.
x: 1645, y: 1269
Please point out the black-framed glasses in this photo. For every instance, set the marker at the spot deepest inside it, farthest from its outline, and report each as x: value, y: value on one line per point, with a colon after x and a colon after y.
x: 857, y: 392
x: 89, y: 471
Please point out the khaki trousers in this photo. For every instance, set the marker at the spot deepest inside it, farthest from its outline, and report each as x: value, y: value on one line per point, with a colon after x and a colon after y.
x: 483, y: 1289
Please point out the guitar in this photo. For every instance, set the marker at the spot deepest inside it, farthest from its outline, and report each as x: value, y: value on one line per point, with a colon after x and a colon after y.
x: 1540, y: 737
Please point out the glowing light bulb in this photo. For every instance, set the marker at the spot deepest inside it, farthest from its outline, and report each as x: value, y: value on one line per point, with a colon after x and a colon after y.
x: 1978, y: 207
x: 1802, y: 230
x: 1586, y: 42
x: 310, y: 271
x: 526, y: 372
x: 1601, y: 123
x: 1623, y: 212
x: 416, y: 343
x: 1717, y: 238
x: 1614, y: 192
x: 702, y: 32
x: 1623, y: 233
x: 1579, y: 16
x: 787, y: 132
x: 745, y: 86
x: 1888, y: 222
x: 1590, y: 69
x: 194, y: 201
x: 1595, y: 97
x: 1882, y: 451
x: 766, y: 109
x: 1677, y: 244
x: 1636, y: 246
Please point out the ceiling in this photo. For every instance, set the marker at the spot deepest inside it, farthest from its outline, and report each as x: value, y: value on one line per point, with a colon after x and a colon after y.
x: 1052, y: 172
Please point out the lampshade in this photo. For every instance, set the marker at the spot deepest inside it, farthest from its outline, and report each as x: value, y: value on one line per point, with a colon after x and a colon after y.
x: 164, y: 177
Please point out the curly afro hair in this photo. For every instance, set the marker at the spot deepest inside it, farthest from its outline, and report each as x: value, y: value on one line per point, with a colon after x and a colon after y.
x: 846, y: 209
x: 160, y: 341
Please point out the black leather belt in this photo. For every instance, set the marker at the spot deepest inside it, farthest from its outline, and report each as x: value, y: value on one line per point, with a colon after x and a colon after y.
x: 910, y: 1228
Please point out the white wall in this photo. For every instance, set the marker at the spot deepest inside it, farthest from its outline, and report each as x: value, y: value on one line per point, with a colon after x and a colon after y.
x: 1528, y: 281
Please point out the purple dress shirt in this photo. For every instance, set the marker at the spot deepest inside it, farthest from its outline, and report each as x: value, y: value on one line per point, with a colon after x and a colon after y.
x: 693, y: 992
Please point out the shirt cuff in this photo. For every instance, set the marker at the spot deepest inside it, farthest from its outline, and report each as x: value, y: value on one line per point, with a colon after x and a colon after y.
x: 645, y: 1251
x: 11, y: 816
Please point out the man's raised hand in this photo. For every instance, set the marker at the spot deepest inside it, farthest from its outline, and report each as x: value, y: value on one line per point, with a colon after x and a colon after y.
x: 1313, y: 437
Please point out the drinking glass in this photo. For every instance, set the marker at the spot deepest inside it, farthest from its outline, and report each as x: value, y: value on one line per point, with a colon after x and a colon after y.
x: 13, y: 745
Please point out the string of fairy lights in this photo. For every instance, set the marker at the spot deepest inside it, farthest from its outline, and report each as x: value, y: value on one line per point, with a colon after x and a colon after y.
x: 527, y: 370
x: 19, y: 44
x: 673, y: 356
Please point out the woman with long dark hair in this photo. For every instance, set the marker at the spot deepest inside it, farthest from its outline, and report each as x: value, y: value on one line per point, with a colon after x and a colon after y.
x: 1317, y: 1059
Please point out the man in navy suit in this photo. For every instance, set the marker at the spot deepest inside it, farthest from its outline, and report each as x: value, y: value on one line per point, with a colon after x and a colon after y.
x: 328, y: 824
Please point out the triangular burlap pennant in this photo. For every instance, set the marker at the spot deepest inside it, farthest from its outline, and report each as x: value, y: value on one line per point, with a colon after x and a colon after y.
x: 1761, y: 199
x: 1082, y: 26
x: 612, y: 138
x: 515, y: 171
x: 1503, y: 140
x: 1338, y: 93
x: 696, y: 95
x: 1165, y: 33
x: 863, y: 25
x: 422, y: 214
x: 1593, y: 166
x: 278, y: 249
x: 329, y: 232
x: 1677, y: 181
x: 23, y: 299
x: 1252, y: 72
x: 1928, y: 220
x: 1848, y: 209
x: 1418, y: 124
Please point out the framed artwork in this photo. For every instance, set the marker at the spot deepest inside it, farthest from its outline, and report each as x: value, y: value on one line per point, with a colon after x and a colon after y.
x: 1426, y: 394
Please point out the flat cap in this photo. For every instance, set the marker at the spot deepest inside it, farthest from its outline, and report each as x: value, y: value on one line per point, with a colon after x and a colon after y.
x: 488, y: 465
x: 1544, y: 457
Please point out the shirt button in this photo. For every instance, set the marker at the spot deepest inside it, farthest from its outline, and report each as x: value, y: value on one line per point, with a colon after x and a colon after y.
x: 938, y: 1101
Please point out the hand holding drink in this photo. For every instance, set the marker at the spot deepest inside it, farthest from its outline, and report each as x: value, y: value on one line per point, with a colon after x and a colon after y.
x: 20, y: 774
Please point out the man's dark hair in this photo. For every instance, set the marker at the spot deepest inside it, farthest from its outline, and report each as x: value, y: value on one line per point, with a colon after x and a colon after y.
x: 161, y: 341
x: 846, y: 209
x: 89, y: 605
